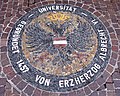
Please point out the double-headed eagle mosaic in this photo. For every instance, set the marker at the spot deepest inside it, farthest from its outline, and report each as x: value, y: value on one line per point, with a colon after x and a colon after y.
x: 80, y: 39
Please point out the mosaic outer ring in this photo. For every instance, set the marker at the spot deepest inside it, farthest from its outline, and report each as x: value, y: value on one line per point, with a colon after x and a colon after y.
x: 30, y: 76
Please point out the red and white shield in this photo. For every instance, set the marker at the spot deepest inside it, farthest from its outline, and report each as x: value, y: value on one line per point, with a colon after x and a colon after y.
x: 60, y: 42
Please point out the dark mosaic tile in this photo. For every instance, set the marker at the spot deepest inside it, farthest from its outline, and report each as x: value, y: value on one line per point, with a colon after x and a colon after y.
x: 64, y: 94
x: 110, y: 86
x: 11, y: 75
x: 65, y: 2
x: 87, y: 91
x: 15, y: 91
x: 2, y: 90
x: 79, y: 4
x: 109, y: 68
x: 3, y: 81
x: 7, y: 69
x: 45, y: 3
x: 74, y: 93
x: 5, y: 62
x: 111, y: 93
x: 117, y: 92
x: 4, y: 36
x: 117, y: 83
x: 91, y: 10
x: 72, y: 2
x: 94, y: 94
x: 22, y: 85
x: 102, y: 93
x: 3, y: 49
x: 45, y: 93
x: 93, y: 86
x: 100, y: 80
x: 29, y: 90
x: 58, y: 1
x: 112, y: 61
x: 110, y: 80
x: 16, y: 79
x: 36, y: 92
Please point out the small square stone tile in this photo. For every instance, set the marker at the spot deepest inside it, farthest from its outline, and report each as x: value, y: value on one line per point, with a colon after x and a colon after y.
x: 2, y: 90
x: 7, y: 69
x: 113, y: 36
x: 58, y: 1
x: 45, y: 3
x: 100, y: 80
x: 3, y: 56
x: 15, y: 91
x: 45, y: 93
x: 110, y: 80
x: 102, y: 87
x: 3, y: 49
x: 117, y: 83
x: 65, y: 1
x: 16, y: 79
x: 37, y: 92
x: 117, y: 91
x: 115, y: 48
x: 29, y: 90
x: 79, y: 4
x: 94, y: 94
x: 3, y: 43
x: 114, y: 55
x: 110, y: 86
x: 5, y: 62
x: 105, y: 75
x: 22, y: 85
x: 53, y: 94
x: 74, y: 93
x: 87, y: 90
x: 4, y: 35
x: 91, y: 10
x: 11, y: 75
x: 111, y: 93
x: 72, y: 2
x: 102, y: 93
x: 112, y: 62
x: 84, y: 6
x: 93, y: 86
x: 80, y: 92
x: 116, y: 75
x: 64, y: 94
x: 3, y: 81
x: 109, y: 68
x: 110, y: 29
x: 8, y: 85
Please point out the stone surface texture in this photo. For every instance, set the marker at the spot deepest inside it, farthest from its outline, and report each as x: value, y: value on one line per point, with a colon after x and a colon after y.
x: 108, y: 84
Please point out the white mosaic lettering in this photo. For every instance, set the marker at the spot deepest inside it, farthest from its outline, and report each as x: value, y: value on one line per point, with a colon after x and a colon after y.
x: 94, y: 69
x: 77, y: 80
x: 42, y: 80
x: 94, y: 21
x: 90, y: 73
x: 86, y: 76
x: 71, y: 82
x: 22, y: 66
x: 61, y: 83
x: 82, y: 79
x: 66, y: 83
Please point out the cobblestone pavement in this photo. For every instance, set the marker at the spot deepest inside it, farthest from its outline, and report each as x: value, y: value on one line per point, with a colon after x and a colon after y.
x: 108, y: 84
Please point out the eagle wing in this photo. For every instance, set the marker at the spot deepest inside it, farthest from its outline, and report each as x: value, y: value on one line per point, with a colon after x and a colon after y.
x: 38, y: 40
x: 81, y: 38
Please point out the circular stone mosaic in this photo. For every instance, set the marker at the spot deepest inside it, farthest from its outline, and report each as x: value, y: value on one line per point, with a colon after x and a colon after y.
x: 59, y: 47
